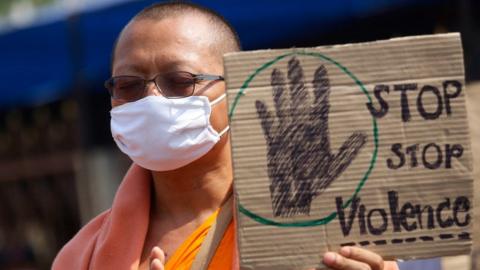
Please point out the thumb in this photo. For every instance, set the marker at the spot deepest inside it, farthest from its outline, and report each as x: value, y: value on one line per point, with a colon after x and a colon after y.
x: 347, y: 152
x: 157, y: 259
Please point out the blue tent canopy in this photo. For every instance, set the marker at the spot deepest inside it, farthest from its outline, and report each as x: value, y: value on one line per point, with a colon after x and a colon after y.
x: 44, y: 63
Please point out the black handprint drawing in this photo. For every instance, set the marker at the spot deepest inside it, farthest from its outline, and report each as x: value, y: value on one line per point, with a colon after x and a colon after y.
x: 301, y: 164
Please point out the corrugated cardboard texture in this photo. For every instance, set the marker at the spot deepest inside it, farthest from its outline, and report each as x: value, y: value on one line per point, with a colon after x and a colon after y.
x: 316, y: 168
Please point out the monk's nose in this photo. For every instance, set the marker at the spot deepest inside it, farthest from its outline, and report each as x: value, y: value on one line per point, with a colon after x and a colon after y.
x: 152, y: 90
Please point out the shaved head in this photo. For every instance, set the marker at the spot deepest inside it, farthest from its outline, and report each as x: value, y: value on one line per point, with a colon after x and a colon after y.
x: 224, y: 37
x: 170, y: 38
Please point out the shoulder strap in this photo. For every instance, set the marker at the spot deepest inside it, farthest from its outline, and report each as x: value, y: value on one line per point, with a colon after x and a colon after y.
x: 214, y: 236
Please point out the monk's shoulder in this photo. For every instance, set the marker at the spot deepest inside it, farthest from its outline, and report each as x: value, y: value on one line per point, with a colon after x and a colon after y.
x: 75, y: 251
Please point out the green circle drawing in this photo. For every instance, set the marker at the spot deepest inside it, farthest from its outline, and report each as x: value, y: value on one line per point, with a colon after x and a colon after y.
x: 327, y: 219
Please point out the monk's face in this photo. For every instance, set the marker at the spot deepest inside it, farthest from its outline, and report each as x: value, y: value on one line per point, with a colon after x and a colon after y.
x: 147, y: 48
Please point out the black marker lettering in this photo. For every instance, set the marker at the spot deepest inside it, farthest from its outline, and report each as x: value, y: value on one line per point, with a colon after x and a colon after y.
x: 404, y: 217
x: 455, y: 150
x: 346, y: 226
x: 449, y: 221
x: 393, y: 203
x: 396, y: 149
x: 403, y: 88
x: 461, y: 204
x: 430, y: 220
x: 412, y: 150
x: 408, y: 211
x: 421, y: 109
x: 448, y: 96
x: 438, y: 161
x: 377, y: 91
x: 361, y: 219
x: 383, y: 227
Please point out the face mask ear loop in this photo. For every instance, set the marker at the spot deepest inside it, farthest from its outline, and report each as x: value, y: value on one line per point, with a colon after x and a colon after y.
x: 217, y: 100
x: 220, y: 134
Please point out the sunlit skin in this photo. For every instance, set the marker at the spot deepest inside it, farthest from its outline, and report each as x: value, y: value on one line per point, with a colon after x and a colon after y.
x: 185, y: 197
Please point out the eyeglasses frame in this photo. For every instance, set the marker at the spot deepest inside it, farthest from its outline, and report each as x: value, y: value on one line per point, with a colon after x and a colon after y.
x: 108, y: 84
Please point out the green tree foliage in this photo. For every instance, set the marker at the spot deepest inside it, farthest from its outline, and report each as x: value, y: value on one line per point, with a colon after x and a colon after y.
x: 5, y: 5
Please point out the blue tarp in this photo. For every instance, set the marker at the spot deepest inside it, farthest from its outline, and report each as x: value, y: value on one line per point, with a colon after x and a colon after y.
x: 42, y: 63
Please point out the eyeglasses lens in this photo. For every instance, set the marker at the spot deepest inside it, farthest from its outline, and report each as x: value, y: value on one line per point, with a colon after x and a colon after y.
x: 176, y: 84
x: 127, y: 88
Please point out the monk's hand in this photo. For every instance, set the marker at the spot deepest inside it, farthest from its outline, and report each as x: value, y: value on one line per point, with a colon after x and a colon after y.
x: 157, y: 259
x: 353, y: 258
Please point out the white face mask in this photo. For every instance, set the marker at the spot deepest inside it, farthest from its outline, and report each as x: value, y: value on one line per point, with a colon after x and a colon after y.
x: 162, y: 134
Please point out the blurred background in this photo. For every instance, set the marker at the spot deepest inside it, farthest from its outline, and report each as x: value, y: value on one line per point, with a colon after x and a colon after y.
x: 58, y: 164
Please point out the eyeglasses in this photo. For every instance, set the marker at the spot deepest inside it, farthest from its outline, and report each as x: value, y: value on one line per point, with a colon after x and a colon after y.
x: 171, y: 85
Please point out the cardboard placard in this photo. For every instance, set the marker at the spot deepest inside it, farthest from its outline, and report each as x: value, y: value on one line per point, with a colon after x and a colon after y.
x: 361, y: 144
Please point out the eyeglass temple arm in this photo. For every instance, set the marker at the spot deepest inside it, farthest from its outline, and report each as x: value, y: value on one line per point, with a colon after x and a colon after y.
x: 206, y: 77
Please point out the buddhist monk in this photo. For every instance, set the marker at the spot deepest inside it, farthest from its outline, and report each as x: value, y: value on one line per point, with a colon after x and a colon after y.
x: 169, y: 115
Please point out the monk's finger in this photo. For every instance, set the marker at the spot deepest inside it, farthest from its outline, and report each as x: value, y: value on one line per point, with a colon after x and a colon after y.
x: 338, y: 262
x: 157, y: 259
x: 374, y: 260
x: 156, y: 265
x: 158, y: 253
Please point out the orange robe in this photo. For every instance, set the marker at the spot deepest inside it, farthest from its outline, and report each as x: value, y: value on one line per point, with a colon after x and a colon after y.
x: 183, y: 257
x: 115, y: 238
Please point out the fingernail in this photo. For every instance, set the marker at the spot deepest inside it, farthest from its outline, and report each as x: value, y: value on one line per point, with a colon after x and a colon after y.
x: 329, y: 258
x: 346, y: 251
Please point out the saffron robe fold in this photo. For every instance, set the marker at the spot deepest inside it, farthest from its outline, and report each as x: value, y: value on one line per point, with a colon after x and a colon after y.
x: 115, y: 238
x: 184, y: 256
